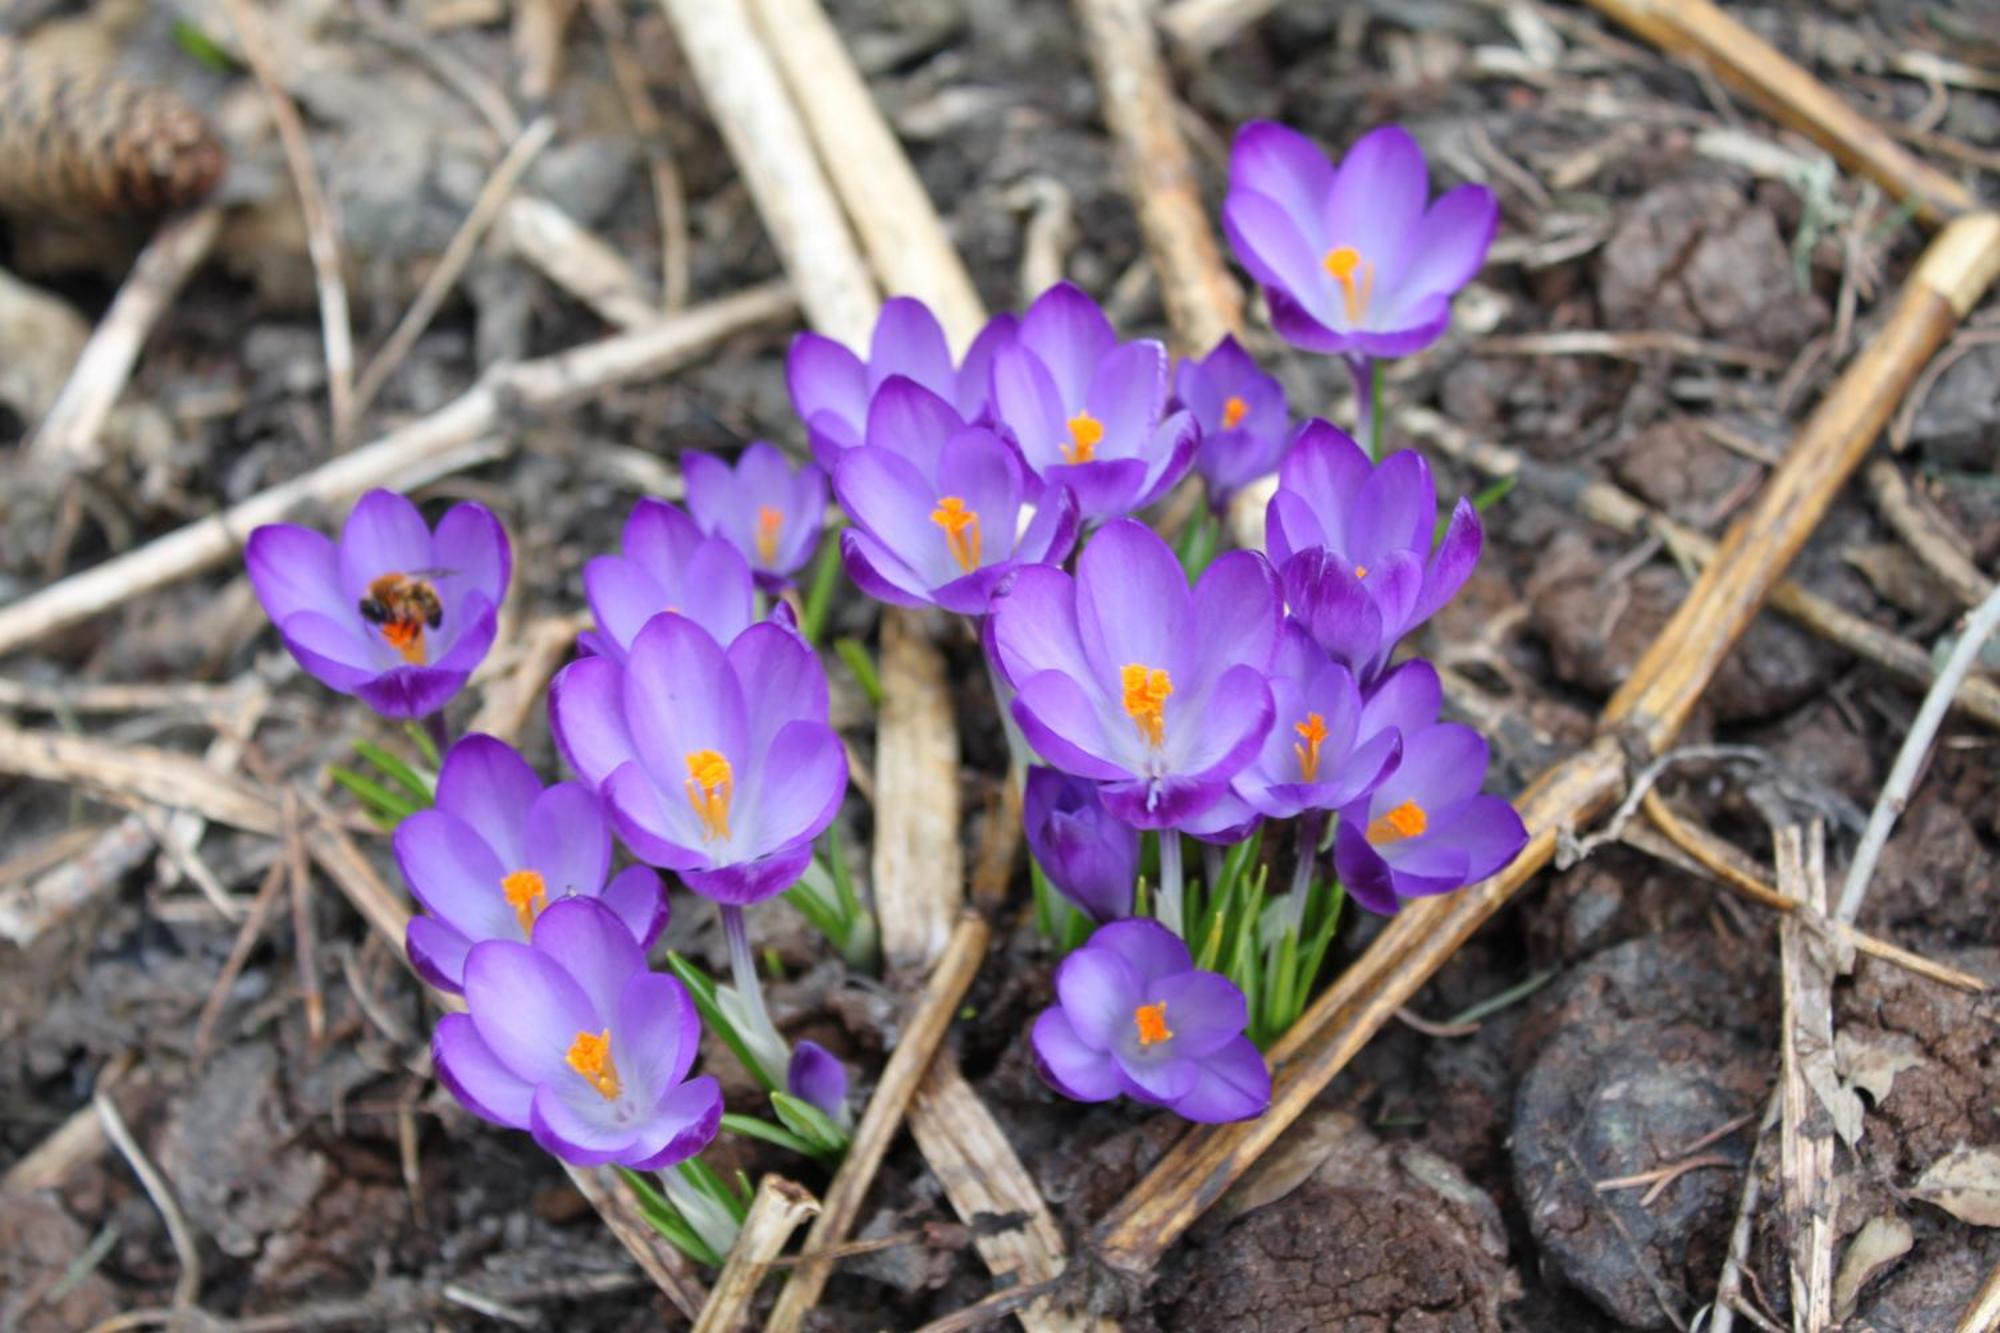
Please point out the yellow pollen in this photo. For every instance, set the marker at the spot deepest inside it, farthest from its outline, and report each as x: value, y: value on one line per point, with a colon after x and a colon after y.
x: 1085, y: 431
x: 1234, y: 409
x: 1146, y: 691
x: 527, y: 895
x: 590, y: 1056
x: 1152, y: 1021
x: 1407, y: 820
x: 1344, y: 262
x: 769, y: 522
x: 1361, y: 571
x: 961, y: 531
x: 1313, y: 732
x: 708, y: 787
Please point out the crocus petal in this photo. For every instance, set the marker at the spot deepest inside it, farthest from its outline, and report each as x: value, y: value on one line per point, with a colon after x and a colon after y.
x: 1286, y: 167
x: 486, y: 783
x: 781, y: 678
x: 1442, y: 766
x: 587, y: 715
x: 482, y: 1084
x: 816, y: 1077
x: 1421, y: 322
x: 1052, y: 531
x: 1171, y: 451
x: 892, y: 500
x: 680, y: 697
x: 1126, y: 392
x: 908, y: 341
x: 712, y: 499
x: 749, y: 882
x: 437, y: 952
x: 383, y: 534
x: 1271, y: 243
x: 1153, y: 951
x: 587, y: 939
x: 1406, y: 697
x: 1395, y: 510
x: 622, y: 597
x: 658, y: 834
x: 1306, y: 328
x: 1239, y: 608
x: 454, y: 874
x: 911, y: 422
x: 1235, y: 1084
x: 804, y: 780
x: 875, y: 570
x: 1159, y: 1082
x: 1230, y: 728
x: 1063, y: 725
x: 826, y: 379
x: 1162, y: 803
x: 1450, y: 243
x: 1378, y: 194
x: 1454, y: 561
x: 1132, y: 603
x: 656, y: 1034
x: 571, y: 1121
x: 471, y: 554
x: 1363, y: 872
x: 1030, y: 405
x: 1069, y: 334
x: 638, y: 898
x: 1034, y: 627
x: 975, y: 377
x: 1078, y: 1071
x: 333, y: 651
x: 1203, y: 1009
x: 408, y: 693
x: 527, y: 1007
x: 684, y: 1124
x: 1490, y: 833
x: 294, y: 569
x: 567, y: 840
x: 1107, y: 488
x: 1099, y: 990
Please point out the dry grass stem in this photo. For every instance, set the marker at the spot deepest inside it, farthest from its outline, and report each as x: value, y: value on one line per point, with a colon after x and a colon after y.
x: 458, y: 252
x: 669, y: 197
x: 668, y: 1267
x: 1635, y: 345
x: 897, y: 224
x: 1808, y: 1124
x: 1700, y: 32
x: 1983, y: 1315
x: 1977, y: 626
x: 908, y: 1057
x: 1943, y: 552
x: 1646, y: 713
x: 777, y: 1211
x: 305, y: 931
x: 459, y: 435
x: 187, y: 1285
x: 774, y: 155
x: 512, y: 694
x: 322, y: 229
x: 1199, y: 26
x: 247, y: 935
x: 67, y: 440
x: 79, y: 1139
x: 579, y: 262
x: 161, y: 777
x: 1729, y: 1299
x: 919, y: 872
x: 1202, y: 300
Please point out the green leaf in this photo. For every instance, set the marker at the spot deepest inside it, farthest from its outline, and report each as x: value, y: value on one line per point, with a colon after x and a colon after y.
x: 750, y: 1127
x: 384, y: 806
x: 664, y: 1218
x: 398, y: 771
x: 703, y: 990
x: 815, y: 909
x: 809, y: 1122
x: 702, y: 1177
x: 1199, y: 543
x: 426, y: 746
x: 819, y: 593
x: 202, y: 47
x: 1318, y: 938
x: 858, y: 662
x: 843, y: 878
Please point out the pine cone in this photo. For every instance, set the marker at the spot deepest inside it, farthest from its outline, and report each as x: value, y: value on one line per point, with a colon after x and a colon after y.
x: 80, y: 142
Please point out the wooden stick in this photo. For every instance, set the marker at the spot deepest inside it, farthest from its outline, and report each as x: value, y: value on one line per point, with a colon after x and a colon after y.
x: 67, y: 439
x: 919, y: 870
x: 983, y: 1177
x: 1649, y: 711
x: 766, y: 138
x: 457, y: 254
x: 162, y: 777
x: 187, y: 1286
x: 1699, y: 31
x: 1923, y: 532
x: 1604, y: 503
x: 905, y: 240
x: 322, y: 229
x: 908, y: 1058
x: 1202, y: 300
x: 1807, y: 1126
x: 456, y: 436
x: 579, y: 262
x: 776, y: 1212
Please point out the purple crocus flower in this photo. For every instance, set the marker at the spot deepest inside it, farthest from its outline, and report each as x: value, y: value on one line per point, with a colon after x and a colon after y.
x: 1426, y: 829
x: 1352, y: 540
x: 392, y: 613
x: 1125, y: 677
x: 1087, y: 411
x: 770, y: 511
x: 665, y: 564
x: 716, y: 764
x: 1351, y: 259
x: 1316, y: 756
x: 1242, y: 416
x: 496, y: 850
x: 944, y: 530
x: 815, y: 1076
x: 1135, y: 1016
x: 572, y: 1038
x: 1091, y: 856
x: 832, y: 387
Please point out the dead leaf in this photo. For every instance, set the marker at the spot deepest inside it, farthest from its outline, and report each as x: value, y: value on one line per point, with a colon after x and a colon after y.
x: 1880, y: 1242
x: 1965, y: 1183
x: 1871, y: 1064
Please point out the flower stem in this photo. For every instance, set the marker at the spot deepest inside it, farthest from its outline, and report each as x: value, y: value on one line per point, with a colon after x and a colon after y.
x: 439, y: 734
x: 1170, y: 880
x: 1302, y: 872
x: 743, y: 967
x: 1367, y: 373
x: 1018, y: 754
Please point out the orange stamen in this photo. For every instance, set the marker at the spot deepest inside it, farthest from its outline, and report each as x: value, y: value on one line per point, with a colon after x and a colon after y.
x: 1146, y: 691
x: 528, y: 896
x: 1407, y: 820
x: 1152, y: 1021
x: 1234, y: 409
x: 1361, y: 571
x: 1313, y: 732
x: 1344, y: 262
x: 961, y: 531
x: 407, y: 638
x: 1085, y: 431
x: 710, y: 781
x: 769, y: 522
x: 590, y: 1056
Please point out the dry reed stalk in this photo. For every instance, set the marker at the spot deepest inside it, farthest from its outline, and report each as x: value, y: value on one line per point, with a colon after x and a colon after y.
x: 67, y: 439
x: 1924, y: 533
x: 1202, y: 301
x: 138, y: 772
x: 983, y: 1176
x: 458, y: 252
x: 901, y: 232
x: 776, y: 1212
x: 458, y: 435
x: 908, y: 1057
x: 1199, y: 26
x: 768, y: 142
x: 1645, y: 715
x: 1604, y: 503
x: 1699, y: 31
x: 579, y: 262
x: 1807, y: 1125
x: 919, y: 871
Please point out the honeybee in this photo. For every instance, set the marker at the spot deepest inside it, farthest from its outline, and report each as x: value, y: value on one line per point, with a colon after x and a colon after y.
x: 403, y: 606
